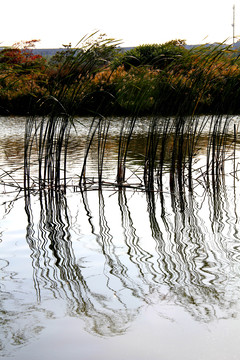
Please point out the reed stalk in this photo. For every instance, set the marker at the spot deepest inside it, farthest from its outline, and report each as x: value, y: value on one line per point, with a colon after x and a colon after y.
x: 151, y: 154
x: 124, y: 141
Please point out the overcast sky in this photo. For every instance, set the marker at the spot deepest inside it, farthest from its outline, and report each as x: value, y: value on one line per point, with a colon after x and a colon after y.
x: 135, y: 22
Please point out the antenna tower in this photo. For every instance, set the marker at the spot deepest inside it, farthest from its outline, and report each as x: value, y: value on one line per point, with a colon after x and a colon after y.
x: 233, y: 24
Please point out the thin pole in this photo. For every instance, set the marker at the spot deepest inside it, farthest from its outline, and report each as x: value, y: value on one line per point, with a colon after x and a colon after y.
x: 233, y: 24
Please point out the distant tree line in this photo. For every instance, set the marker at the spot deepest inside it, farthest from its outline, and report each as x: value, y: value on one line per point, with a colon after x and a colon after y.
x: 98, y: 78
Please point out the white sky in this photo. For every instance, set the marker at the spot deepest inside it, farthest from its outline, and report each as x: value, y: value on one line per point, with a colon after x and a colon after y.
x: 135, y: 22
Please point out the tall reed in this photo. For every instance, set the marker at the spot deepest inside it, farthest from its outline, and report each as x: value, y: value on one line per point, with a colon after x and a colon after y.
x: 172, y: 142
x: 67, y: 89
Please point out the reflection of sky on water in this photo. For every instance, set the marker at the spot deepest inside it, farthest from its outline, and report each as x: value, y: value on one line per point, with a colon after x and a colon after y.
x: 115, y: 261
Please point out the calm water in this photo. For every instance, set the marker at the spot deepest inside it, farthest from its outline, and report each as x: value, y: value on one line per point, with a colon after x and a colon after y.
x: 116, y: 274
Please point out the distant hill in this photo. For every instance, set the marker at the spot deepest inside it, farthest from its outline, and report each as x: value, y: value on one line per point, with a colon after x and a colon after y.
x: 51, y: 52
x: 43, y: 52
x: 47, y: 53
x: 236, y: 45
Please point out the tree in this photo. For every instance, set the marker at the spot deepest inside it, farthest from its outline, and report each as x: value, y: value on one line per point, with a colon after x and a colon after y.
x: 20, y: 57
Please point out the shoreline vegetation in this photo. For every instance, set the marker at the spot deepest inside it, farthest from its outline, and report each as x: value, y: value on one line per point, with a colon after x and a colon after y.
x: 168, y: 83
x: 95, y: 77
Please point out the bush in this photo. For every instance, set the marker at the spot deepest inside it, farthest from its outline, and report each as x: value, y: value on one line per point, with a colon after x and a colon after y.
x: 158, y: 56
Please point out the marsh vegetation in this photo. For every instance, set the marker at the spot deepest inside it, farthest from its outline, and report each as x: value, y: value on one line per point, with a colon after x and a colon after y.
x: 120, y: 226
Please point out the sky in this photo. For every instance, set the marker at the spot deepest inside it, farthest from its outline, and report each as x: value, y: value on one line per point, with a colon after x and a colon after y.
x: 132, y: 22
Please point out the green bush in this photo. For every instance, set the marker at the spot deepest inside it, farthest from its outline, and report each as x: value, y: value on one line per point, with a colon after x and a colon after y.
x: 157, y: 56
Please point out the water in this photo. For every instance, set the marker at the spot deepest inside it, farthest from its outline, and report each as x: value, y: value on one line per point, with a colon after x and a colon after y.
x: 116, y: 274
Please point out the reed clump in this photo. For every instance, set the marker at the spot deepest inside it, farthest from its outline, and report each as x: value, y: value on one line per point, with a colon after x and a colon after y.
x: 172, y: 94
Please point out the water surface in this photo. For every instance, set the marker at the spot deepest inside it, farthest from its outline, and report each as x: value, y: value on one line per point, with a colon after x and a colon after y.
x: 116, y: 274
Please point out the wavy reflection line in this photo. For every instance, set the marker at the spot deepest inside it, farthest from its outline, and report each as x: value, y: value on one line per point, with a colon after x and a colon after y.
x: 188, y: 288
x: 135, y: 258
x: 104, y: 239
x: 163, y: 239
x: 191, y: 241
x: 186, y: 258
x: 65, y: 278
x: 20, y: 321
x: 61, y: 275
x: 114, y: 268
x: 32, y: 241
x: 158, y: 271
x: 141, y: 258
x: 223, y: 223
x: 226, y: 224
x: 117, y: 269
x: 206, y: 291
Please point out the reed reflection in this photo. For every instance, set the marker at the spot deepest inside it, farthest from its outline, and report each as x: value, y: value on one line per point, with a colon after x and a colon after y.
x: 56, y: 269
x: 180, y: 259
x: 20, y: 320
x: 195, y: 260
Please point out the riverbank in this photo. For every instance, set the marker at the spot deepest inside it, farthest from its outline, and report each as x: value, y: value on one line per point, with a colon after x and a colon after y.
x: 163, y: 79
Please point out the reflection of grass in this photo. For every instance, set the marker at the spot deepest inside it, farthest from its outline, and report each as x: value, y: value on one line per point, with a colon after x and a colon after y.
x: 183, y: 91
